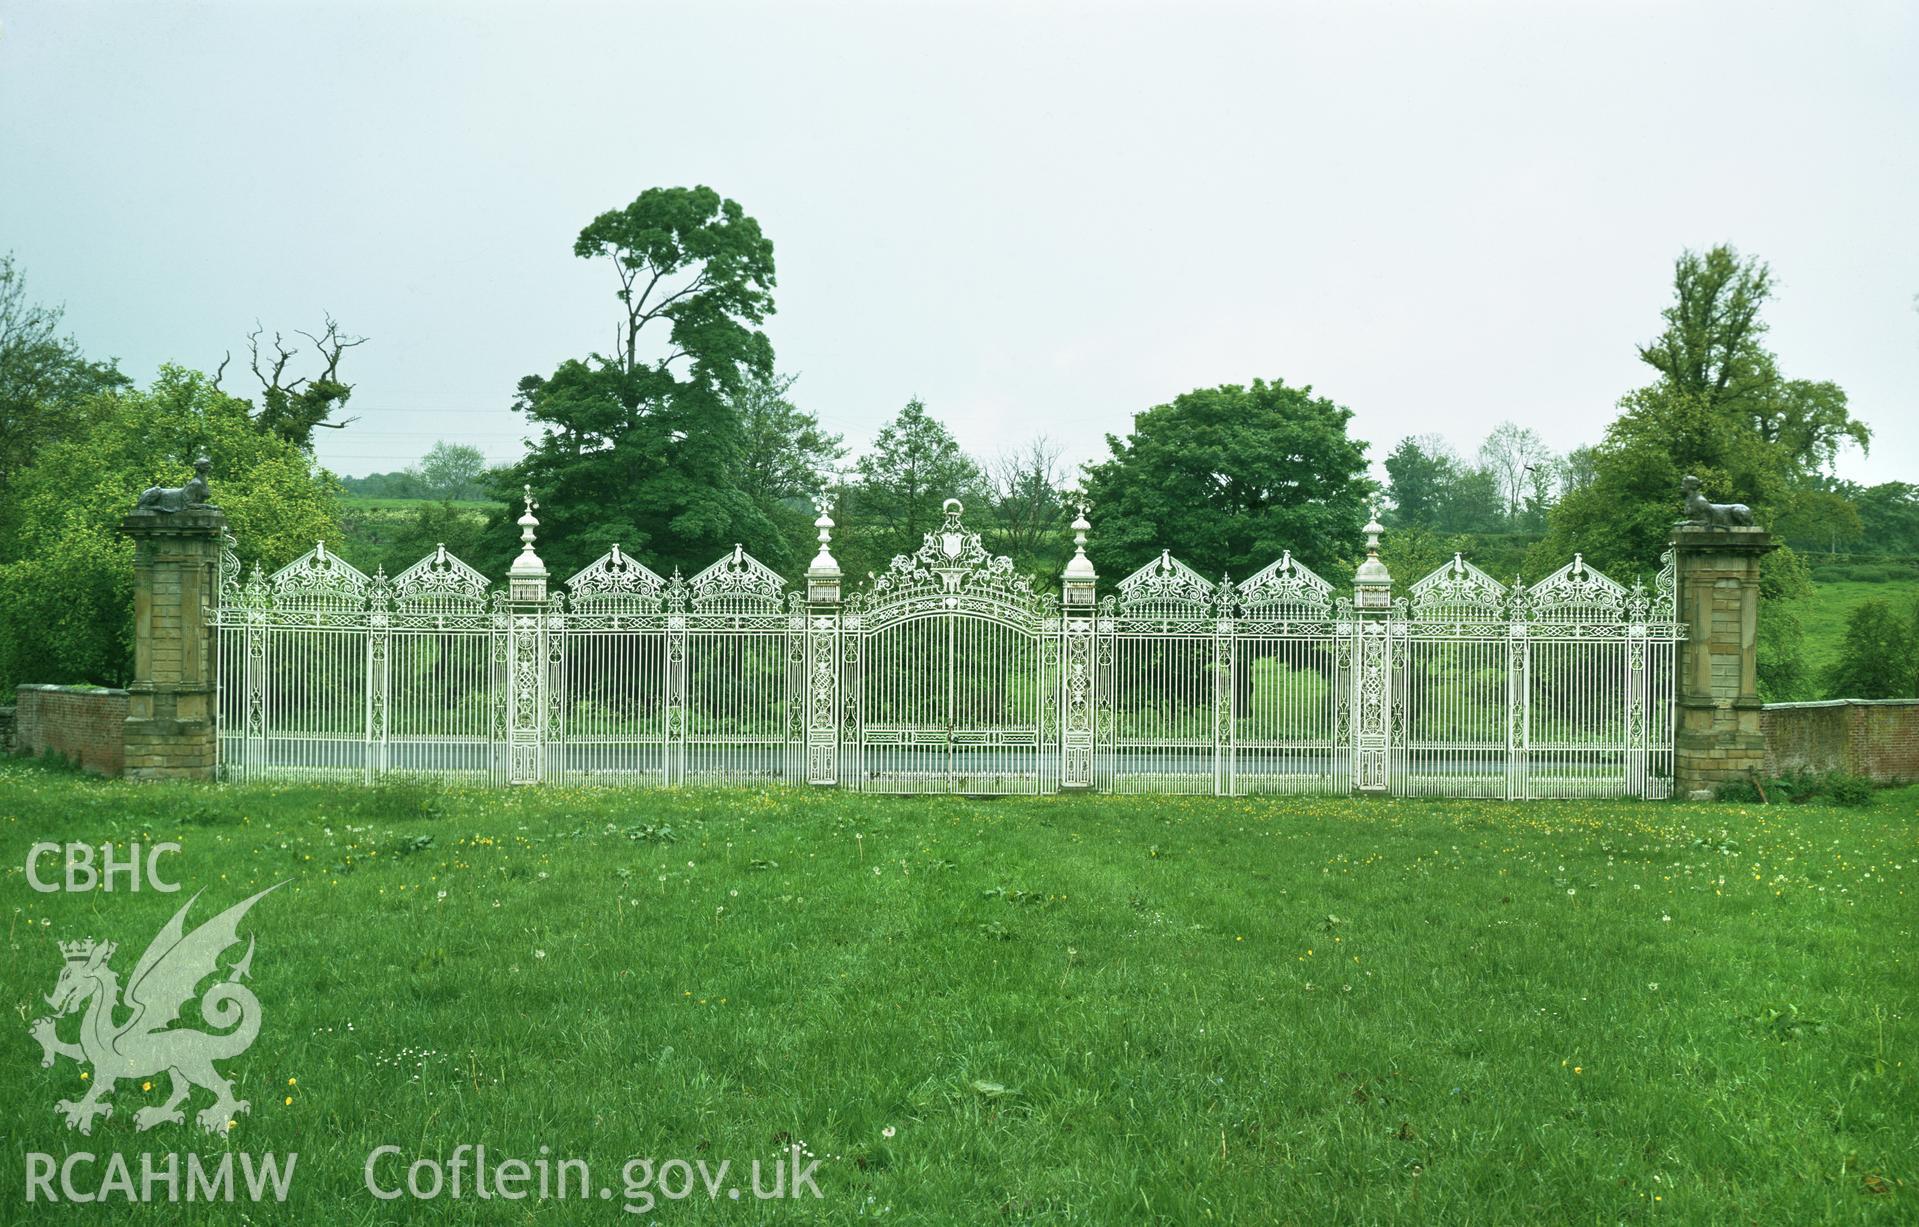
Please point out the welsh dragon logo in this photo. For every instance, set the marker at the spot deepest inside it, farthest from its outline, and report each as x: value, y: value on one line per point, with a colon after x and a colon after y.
x: 144, y: 1045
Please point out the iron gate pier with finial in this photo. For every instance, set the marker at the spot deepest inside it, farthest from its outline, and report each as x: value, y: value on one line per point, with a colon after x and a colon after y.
x: 950, y: 672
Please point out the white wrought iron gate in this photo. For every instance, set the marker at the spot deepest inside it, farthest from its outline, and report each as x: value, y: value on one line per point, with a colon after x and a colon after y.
x: 951, y: 673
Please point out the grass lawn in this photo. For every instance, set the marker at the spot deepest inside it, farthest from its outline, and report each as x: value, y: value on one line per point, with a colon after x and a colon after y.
x: 1054, y: 1010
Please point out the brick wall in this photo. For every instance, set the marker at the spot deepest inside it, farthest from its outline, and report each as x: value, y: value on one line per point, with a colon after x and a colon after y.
x: 1877, y: 738
x: 83, y: 724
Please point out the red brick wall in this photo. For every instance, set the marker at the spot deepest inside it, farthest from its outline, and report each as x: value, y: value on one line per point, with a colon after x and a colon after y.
x: 85, y: 725
x: 1877, y: 738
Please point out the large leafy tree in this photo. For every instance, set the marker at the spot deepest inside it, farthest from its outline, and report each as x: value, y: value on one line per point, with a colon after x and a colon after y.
x: 643, y: 445
x: 46, y: 382
x: 1720, y: 409
x: 899, y: 486
x: 1230, y: 477
x: 453, y: 471
x: 1419, y: 473
x: 66, y: 575
x: 786, y: 462
x: 1889, y: 518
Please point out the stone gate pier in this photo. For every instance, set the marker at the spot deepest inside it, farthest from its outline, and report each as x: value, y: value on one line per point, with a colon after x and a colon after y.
x: 1718, y: 737
x: 170, y: 728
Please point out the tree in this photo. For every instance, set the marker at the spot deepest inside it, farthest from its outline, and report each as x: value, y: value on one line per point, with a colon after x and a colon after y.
x: 900, y: 485
x: 1418, y: 474
x: 1709, y: 350
x: 1889, y: 518
x: 293, y: 408
x: 453, y: 471
x: 1823, y: 514
x: 786, y: 462
x: 1719, y: 409
x: 401, y: 483
x: 1877, y: 658
x: 1028, y: 512
x: 1471, y: 501
x: 1512, y: 454
x: 643, y: 446
x: 45, y: 381
x: 1229, y: 478
x: 66, y: 576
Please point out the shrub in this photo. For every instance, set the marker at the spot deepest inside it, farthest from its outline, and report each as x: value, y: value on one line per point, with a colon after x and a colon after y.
x: 1854, y: 790
x: 1798, y: 787
x: 1877, y: 655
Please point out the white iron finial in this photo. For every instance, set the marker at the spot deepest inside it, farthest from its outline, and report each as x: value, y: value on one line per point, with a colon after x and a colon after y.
x: 1079, y: 569
x: 824, y: 565
x: 528, y: 573
x: 1372, y: 577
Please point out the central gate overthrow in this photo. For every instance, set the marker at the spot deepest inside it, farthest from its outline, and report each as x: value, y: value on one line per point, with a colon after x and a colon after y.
x: 951, y: 673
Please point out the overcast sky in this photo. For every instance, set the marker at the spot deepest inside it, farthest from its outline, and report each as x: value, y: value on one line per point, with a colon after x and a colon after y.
x: 1037, y: 218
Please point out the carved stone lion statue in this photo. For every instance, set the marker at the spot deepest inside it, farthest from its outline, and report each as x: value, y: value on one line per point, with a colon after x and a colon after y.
x: 1713, y: 515
x: 178, y: 498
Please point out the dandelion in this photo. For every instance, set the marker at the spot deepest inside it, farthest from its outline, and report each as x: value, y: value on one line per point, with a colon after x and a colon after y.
x: 539, y: 954
x: 888, y: 1132
x: 289, y: 1101
x: 293, y: 1082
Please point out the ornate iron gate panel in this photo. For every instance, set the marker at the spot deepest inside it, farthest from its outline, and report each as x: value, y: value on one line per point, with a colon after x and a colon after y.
x: 1163, y: 706
x: 951, y: 674
x: 609, y: 715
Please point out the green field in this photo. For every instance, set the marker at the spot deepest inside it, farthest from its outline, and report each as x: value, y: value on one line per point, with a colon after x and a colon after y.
x: 1824, y: 614
x: 1052, y: 1010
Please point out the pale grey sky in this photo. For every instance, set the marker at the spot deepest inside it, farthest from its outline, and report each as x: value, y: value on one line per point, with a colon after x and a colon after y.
x: 1039, y: 218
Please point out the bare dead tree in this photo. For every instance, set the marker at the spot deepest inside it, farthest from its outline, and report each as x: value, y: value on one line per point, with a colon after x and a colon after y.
x: 1028, y: 504
x: 294, y: 408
